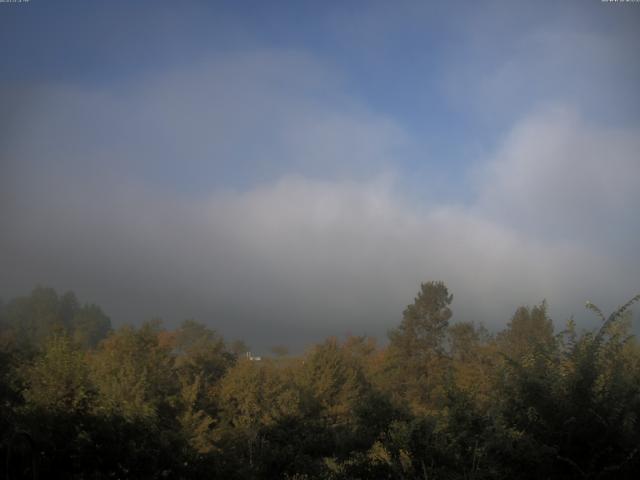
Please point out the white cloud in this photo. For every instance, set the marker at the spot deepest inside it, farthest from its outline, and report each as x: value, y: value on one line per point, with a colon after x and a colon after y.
x: 559, y: 176
x: 298, y: 259
x: 315, y: 237
x: 516, y: 58
x: 232, y: 120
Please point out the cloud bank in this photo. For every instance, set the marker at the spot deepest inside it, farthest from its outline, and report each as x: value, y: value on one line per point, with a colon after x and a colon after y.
x: 255, y: 191
x: 298, y: 258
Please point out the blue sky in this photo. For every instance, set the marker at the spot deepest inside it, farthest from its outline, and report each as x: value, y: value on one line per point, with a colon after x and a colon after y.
x: 337, y: 153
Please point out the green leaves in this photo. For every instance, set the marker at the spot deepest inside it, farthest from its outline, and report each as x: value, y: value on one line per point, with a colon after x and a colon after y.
x: 424, y: 323
x: 440, y: 401
x: 134, y: 373
x: 58, y: 379
x: 335, y: 380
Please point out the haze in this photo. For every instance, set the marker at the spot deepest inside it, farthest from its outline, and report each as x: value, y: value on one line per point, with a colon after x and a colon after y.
x: 285, y: 171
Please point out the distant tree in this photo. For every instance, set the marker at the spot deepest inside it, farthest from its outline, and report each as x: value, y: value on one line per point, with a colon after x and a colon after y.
x: 239, y: 348
x: 89, y: 325
x: 67, y: 308
x: 280, y: 350
x: 35, y: 317
x: 200, y: 350
x: 529, y: 330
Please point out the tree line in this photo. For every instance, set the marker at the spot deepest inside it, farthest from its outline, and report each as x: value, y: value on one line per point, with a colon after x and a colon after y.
x: 443, y: 400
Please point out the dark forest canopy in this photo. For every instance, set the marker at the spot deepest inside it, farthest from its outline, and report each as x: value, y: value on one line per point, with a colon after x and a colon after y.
x: 81, y: 400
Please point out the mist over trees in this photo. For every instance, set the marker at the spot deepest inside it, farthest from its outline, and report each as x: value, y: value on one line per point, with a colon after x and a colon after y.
x: 81, y: 400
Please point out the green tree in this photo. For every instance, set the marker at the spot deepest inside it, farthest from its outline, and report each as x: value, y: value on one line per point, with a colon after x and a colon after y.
x: 424, y: 323
x: 199, y: 350
x: 473, y: 359
x: 134, y: 374
x: 529, y: 330
x: 196, y: 424
x: 200, y: 361
x: 573, y: 412
x: 335, y: 380
x: 58, y: 379
x: 254, y: 397
x: 415, y: 362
